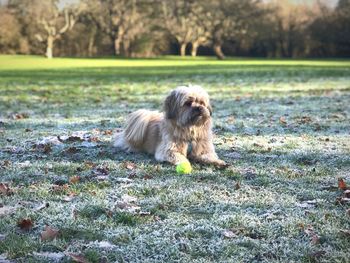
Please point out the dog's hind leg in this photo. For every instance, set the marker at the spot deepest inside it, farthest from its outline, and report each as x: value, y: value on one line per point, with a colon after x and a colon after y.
x: 121, y: 143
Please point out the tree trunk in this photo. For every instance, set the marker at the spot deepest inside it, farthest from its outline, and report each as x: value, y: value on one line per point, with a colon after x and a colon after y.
x: 117, y: 45
x: 183, y: 49
x: 49, y: 47
x: 126, y: 48
x: 91, y: 43
x: 195, y: 46
x: 218, y: 51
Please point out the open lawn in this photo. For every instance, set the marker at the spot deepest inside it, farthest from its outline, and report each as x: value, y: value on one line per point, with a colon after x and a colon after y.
x: 282, y: 125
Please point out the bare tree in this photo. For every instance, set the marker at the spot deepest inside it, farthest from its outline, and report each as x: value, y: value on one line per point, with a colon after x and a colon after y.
x: 201, y: 33
x: 10, y: 31
x: 180, y: 21
x: 52, y: 21
x: 123, y: 21
x: 228, y: 19
x: 291, y: 21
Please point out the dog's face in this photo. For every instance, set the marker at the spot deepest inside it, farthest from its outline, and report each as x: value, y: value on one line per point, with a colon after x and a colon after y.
x: 188, y: 106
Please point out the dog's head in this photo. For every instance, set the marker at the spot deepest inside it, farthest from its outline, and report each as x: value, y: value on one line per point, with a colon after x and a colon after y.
x: 188, y: 106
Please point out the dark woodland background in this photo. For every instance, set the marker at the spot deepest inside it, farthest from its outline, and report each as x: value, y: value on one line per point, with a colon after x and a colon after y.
x: 147, y: 28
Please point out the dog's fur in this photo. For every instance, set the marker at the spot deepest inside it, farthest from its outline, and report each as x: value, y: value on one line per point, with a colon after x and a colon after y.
x: 186, y: 121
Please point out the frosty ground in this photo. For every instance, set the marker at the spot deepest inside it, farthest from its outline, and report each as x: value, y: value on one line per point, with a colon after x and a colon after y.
x: 282, y: 125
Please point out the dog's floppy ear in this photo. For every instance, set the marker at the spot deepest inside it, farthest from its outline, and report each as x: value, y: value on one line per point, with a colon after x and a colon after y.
x: 170, y: 105
x: 210, y: 109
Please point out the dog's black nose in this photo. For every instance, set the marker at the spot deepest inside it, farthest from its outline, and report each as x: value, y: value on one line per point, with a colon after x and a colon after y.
x: 198, y: 109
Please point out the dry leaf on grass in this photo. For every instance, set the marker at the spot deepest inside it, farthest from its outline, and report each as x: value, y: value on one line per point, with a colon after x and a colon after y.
x: 19, y: 116
x: 89, y: 164
x: 107, y: 132
x: 74, y: 179
x: 342, y: 184
x: 315, y: 239
x: 25, y: 224
x: 59, y: 188
x: 146, y: 177
x: 78, y: 258
x: 5, y: 189
x: 129, y: 165
x: 5, y: 163
x: 283, y: 120
x: 49, y: 234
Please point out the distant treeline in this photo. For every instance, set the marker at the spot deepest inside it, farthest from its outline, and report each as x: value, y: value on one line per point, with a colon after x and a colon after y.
x: 145, y: 28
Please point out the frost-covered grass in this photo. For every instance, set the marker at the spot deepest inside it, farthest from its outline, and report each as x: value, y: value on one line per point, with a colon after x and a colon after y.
x: 282, y: 125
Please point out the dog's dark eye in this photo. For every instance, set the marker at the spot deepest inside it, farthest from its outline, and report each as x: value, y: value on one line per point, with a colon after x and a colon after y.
x: 188, y: 103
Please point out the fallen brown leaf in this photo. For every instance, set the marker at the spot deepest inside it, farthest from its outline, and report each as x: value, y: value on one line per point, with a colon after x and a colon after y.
x: 93, y: 139
x: 283, y: 120
x: 342, y: 184
x: 25, y: 224
x: 59, y: 188
x: 5, y: 163
x: 89, y: 164
x: 146, y: 177
x: 315, y: 239
x: 129, y: 165
x: 5, y: 189
x: 78, y: 258
x: 19, y: 116
x: 74, y: 179
x: 49, y: 234
x: 107, y: 132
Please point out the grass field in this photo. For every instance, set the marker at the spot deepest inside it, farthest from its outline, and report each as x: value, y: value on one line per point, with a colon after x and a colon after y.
x: 282, y: 125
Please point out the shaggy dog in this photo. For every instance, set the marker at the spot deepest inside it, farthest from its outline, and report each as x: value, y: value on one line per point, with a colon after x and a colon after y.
x: 183, y: 130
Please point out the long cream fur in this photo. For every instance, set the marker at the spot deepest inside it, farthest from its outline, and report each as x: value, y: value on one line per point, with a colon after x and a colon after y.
x: 186, y: 120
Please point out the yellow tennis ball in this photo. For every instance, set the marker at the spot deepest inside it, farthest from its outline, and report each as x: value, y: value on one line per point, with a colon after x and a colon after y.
x: 184, y: 168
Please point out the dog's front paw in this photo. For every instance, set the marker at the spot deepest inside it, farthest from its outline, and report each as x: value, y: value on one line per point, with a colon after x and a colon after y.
x: 220, y: 163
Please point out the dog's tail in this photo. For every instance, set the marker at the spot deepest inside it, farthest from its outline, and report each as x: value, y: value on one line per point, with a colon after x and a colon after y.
x: 135, y: 130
